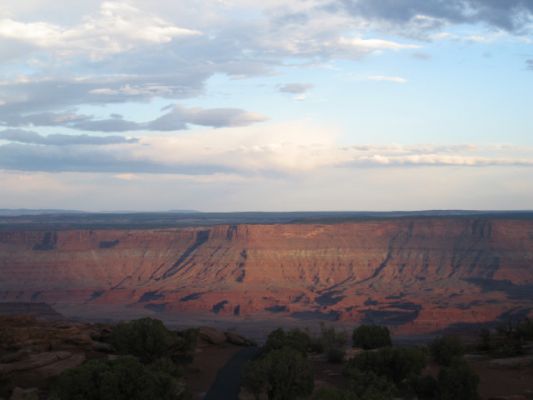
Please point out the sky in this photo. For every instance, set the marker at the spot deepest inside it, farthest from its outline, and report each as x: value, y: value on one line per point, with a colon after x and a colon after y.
x: 246, y: 105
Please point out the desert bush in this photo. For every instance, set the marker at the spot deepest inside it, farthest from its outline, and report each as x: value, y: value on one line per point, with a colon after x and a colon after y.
x: 316, y: 345
x: 255, y: 377
x: 395, y: 364
x: 367, y: 385
x: 122, y: 379
x: 335, y: 355
x: 167, y: 366
x: 525, y: 329
x: 425, y: 387
x: 330, y: 341
x: 485, y: 340
x: 446, y: 349
x: 458, y: 382
x: 284, y: 374
x: 507, y: 347
x: 146, y: 338
x: 371, y: 337
x: 334, y: 394
x: 185, y: 346
x: 331, y: 337
x: 295, y: 339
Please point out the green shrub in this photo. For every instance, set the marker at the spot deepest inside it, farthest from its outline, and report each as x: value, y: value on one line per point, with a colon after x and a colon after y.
x: 334, y: 394
x: 146, y: 338
x: 525, y: 329
x: 371, y: 337
x: 295, y: 339
x: 284, y: 374
x: 425, y: 387
x: 121, y: 379
x: 328, y: 339
x: 255, y: 377
x: 331, y: 338
x: 367, y: 385
x: 316, y: 345
x: 458, y: 382
x: 485, y: 340
x: 446, y: 349
x: 508, y: 347
x: 185, y: 346
x: 335, y: 355
x: 165, y: 365
x: 395, y: 364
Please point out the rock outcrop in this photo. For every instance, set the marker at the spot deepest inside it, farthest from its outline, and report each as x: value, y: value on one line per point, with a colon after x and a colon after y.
x: 419, y: 274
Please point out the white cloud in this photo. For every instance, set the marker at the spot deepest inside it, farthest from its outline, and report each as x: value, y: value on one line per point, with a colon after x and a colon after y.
x: 370, y: 45
x: 118, y: 27
x: 297, y: 147
x: 384, y: 78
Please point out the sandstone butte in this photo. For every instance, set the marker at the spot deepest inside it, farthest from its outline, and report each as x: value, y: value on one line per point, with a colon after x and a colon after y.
x: 418, y: 275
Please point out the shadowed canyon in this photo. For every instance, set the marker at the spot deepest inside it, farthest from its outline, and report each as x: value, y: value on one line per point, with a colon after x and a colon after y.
x: 419, y: 275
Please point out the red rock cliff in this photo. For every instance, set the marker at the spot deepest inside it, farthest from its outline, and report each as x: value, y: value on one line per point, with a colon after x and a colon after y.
x: 404, y: 272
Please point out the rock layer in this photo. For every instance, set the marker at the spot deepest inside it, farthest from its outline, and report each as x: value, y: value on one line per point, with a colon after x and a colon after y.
x: 418, y: 274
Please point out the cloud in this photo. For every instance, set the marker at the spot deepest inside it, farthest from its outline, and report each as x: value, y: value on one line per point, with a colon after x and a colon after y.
x: 91, y: 159
x: 29, y: 137
x: 282, y: 150
x: 178, y: 118
x: 383, y: 78
x: 41, y: 95
x: 124, y: 52
x: 510, y: 15
x: 43, y: 119
x: 295, y: 88
x: 529, y: 64
x: 118, y: 27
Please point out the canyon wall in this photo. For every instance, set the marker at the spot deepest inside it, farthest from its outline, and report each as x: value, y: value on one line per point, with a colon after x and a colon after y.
x: 419, y: 274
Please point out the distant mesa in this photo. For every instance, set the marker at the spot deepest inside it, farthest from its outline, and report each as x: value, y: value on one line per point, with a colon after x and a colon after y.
x: 414, y: 273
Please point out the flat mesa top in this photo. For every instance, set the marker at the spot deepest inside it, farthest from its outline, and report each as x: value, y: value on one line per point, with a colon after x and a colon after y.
x: 60, y: 219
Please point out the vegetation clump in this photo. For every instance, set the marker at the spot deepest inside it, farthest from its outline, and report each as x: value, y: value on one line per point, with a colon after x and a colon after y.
x: 371, y: 337
x: 395, y: 364
x: 283, y: 374
x: 331, y: 342
x: 294, y: 339
x: 146, y: 338
x: 446, y: 349
x: 334, y: 394
x: 458, y: 381
x: 149, y: 369
x: 508, y: 340
x: 121, y: 379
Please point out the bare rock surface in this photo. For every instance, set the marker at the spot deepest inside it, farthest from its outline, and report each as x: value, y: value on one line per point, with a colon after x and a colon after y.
x: 211, y: 335
x: 418, y: 275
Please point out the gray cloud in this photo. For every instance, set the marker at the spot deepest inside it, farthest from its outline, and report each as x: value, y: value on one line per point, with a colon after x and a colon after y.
x: 29, y: 137
x: 215, y: 117
x: 511, y: 15
x: 178, y: 118
x: 43, y: 119
x: 295, y: 88
x: 23, y: 157
x: 529, y: 64
x: 43, y: 96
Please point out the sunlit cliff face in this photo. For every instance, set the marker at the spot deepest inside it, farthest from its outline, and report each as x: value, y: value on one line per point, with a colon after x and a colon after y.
x: 419, y: 275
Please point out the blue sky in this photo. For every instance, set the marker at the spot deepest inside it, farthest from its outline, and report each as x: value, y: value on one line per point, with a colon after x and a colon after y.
x: 227, y: 105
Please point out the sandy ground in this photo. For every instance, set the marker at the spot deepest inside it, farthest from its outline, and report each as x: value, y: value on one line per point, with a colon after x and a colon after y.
x: 503, y: 381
